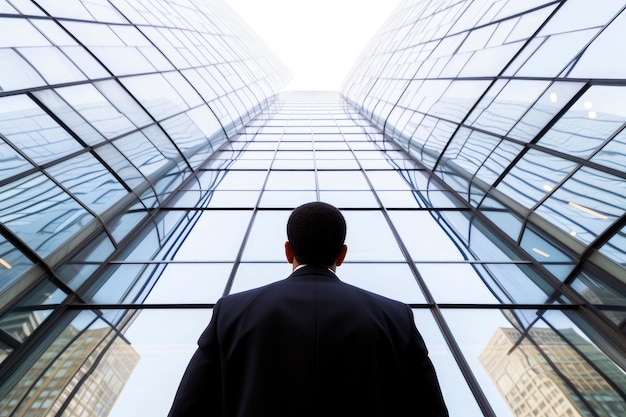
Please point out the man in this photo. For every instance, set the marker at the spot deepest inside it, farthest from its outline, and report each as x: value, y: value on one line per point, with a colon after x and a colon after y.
x: 310, y: 345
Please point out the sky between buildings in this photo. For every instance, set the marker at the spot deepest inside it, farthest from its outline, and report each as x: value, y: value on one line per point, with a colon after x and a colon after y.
x: 318, y: 40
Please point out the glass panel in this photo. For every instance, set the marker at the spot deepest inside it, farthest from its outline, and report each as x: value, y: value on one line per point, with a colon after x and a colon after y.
x: 127, y: 283
x: 242, y: 180
x: 349, y: 199
x: 13, y: 264
x: 233, y: 199
x: 163, y: 342
x: 206, y: 241
x: 387, y: 180
x: 33, y: 131
x: 11, y: 162
x: 66, y: 362
x: 188, y: 138
x: 89, y: 181
x: 202, y: 283
x: 613, y: 154
x: 599, y: 59
x: 142, y: 153
x: 502, y: 217
x: 40, y: 213
x: 19, y: 32
x: 291, y: 180
x: 510, y: 104
x: 395, y: 281
x: 596, y: 382
x: 96, y: 109
x: 342, y: 180
x: 497, y: 163
x: 478, y: 242
x: 436, y: 142
x: 118, y: 163
x: 545, y: 252
x: 87, y: 62
x: 54, y: 66
x: 123, y: 225
x: 596, y: 116
x: 599, y: 291
x: 286, y: 198
x: 415, y: 226
x: 156, y: 94
x: 586, y: 204
x: 456, y: 283
x: 464, y: 156
x: 369, y: 238
x: 251, y: 275
x: 534, y: 176
x: 93, y: 10
x: 556, y: 52
x: 458, y: 99
x: 456, y: 393
x: 124, y: 102
x: 517, y: 283
x: 17, y: 73
x: 489, y: 61
x: 615, y: 248
x: 485, y: 345
x: 69, y: 116
x: 28, y: 313
x: 266, y: 241
x: 544, y: 109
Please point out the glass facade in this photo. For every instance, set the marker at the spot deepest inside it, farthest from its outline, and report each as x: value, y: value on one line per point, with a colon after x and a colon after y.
x: 149, y: 162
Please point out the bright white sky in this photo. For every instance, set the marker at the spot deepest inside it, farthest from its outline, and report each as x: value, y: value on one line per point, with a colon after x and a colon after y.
x: 318, y: 40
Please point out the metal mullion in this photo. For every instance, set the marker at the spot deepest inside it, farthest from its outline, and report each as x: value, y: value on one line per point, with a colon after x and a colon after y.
x: 237, y: 262
x: 435, y: 310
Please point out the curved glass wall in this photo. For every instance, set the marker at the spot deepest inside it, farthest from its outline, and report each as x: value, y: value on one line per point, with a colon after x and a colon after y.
x: 148, y: 165
x: 517, y: 107
x: 106, y: 109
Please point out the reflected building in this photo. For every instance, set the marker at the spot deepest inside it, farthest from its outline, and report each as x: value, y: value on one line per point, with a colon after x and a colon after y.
x: 80, y: 374
x: 553, y: 373
x: 149, y: 156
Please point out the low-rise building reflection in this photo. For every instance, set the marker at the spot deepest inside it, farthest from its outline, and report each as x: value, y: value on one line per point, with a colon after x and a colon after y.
x: 551, y: 373
x: 80, y: 374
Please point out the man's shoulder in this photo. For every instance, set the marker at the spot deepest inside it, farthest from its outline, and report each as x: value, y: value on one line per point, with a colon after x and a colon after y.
x: 375, y: 298
x: 251, y: 293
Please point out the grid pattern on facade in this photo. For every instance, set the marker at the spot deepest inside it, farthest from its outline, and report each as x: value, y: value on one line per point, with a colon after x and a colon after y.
x: 156, y: 172
x: 515, y: 105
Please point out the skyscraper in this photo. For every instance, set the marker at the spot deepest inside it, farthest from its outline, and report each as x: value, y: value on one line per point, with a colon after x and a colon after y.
x: 149, y: 161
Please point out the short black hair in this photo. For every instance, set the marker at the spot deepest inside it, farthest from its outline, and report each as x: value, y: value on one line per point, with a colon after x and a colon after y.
x: 316, y: 232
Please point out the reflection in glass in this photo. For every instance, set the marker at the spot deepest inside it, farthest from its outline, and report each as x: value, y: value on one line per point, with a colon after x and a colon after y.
x: 393, y: 280
x: 13, y: 263
x: 24, y: 317
x: 11, y: 162
x: 534, y: 176
x: 88, y: 180
x: 38, y: 135
x: 553, y: 372
x: 474, y: 180
x: 592, y: 119
x: 586, y: 204
x: 41, y: 213
x: 599, y: 290
x: 83, y: 367
x: 216, y: 236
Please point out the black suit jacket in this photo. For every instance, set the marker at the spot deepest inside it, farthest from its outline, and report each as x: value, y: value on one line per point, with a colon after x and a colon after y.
x: 309, y: 345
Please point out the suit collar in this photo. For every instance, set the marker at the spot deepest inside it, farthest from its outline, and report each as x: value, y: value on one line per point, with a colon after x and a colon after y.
x: 313, y: 270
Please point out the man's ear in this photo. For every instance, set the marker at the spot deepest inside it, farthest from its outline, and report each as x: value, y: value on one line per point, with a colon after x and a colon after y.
x: 342, y: 255
x: 288, y: 252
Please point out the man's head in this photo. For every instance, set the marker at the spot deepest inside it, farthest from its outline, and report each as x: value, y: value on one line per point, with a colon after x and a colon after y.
x: 316, y: 232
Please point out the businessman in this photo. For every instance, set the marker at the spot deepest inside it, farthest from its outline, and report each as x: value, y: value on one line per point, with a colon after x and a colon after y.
x: 310, y: 345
